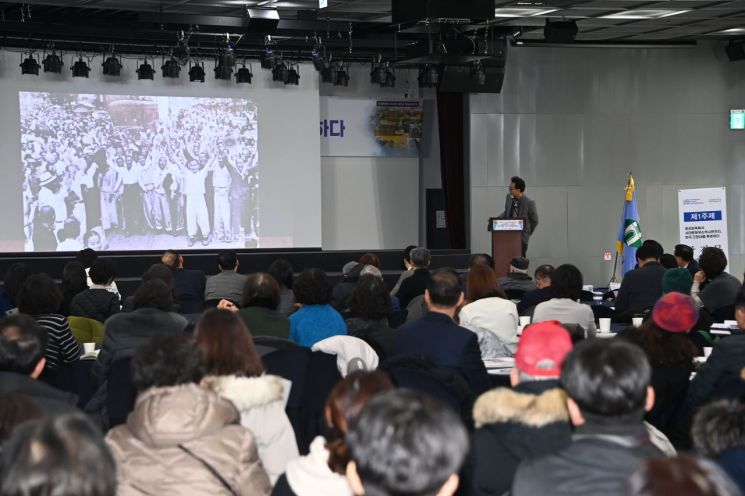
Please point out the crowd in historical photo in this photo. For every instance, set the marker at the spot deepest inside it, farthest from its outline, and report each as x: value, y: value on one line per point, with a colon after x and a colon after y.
x: 126, y: 172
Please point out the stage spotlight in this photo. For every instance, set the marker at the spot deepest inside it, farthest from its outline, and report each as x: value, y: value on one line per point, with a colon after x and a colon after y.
x: 319, y: 61
x: 112, y: 66
x: 478, y: 75
x: 80, y: 69
x: 342, y: 76
x: 280, y: 71
x: 266, y: 58
x: 244, y: 75
x: 293, y: 75
x: 428, y: 76
x: 390, y: 78
x: 223, y: 72
x: 171, y: 68
x: 145, y: 71
x: 181, y: 52
x: 52, y: 63
x: 30, y: 66
x: 226, y: 56
x: 375, y: 72
x: 196, y: 73
x: 328, y: 75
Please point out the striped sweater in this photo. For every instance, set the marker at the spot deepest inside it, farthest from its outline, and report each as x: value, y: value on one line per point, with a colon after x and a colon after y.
x: 62, y: 347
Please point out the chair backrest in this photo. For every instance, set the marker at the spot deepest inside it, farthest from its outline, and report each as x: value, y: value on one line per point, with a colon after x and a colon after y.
x: 120, y: 391
x: 416, y: 308
x: 268, y: 344
x: 86, y: 330
x: 515, y: 294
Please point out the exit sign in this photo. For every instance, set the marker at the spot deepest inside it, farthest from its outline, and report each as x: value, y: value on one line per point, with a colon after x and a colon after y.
x: 322, y: 4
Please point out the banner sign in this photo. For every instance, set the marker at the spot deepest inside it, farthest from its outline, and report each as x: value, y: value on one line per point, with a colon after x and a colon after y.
x: 703, y: 218
x: 353, y: 127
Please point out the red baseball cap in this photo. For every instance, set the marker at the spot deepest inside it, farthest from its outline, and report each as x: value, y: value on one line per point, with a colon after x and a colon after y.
x: 542, y: 348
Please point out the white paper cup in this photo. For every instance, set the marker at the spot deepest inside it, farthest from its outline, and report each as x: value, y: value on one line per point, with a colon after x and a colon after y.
x: 525, y: 320
x: 604, y: 324
x: 637, y: 321
x: 89, y: 347
x: 707, y: 351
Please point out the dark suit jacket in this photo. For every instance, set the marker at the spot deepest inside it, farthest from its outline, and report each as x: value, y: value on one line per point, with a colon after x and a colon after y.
x: 640, y: 288
x: 188, y: 286
x: 448, y: 345
x: 692, y: 267
x: 526, y: 209
x: 50, y: 401
x: 412, y: 286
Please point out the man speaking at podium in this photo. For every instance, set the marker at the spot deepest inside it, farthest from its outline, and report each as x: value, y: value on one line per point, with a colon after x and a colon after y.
x: 519, y: 205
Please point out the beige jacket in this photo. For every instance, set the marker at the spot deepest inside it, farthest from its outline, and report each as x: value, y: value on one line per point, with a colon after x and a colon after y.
x: 150, y: 462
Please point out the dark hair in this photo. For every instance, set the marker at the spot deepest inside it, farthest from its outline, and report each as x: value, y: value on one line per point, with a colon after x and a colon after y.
x: 681, y: 474
x: 260, y: 290
x: 369, y: 259
x: 444, y: 287
x: 87, y: 256
x: 15, y: 408
x: 518, y: 182
x: 153, y: 294
x: 406, y: 253
x: 39, y: 295
x: 370, y: 299
x: 481, y: 259
x: 668, y: 261
x: 566, y: 282
x: 312, y: 287
x: 22, y: 344
x: 608, y: 380
x: 420, y: 257
x: 544, y: 271
x: 665, y: 348
x: 683, y: 251
x: 166, y: 360
x: 227, y: 345
x: 74, y: 277
x: 160, y: 272
x: 102, y: 271
x: 70, y: 229
x: 658, y: 249
x: 282, y: 271
x: 482, y: 283
x: 405, y: 442
x: 719, y: 426
x: 170, y: 259
x: 712, y: 261
x: 227, y: 260
x: 344, y: 403
x: 14, y: 278
x: 647, y: 251
x: 63, y: 455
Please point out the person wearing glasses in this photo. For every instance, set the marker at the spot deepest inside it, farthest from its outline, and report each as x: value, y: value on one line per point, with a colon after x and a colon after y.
x: 519, y: 205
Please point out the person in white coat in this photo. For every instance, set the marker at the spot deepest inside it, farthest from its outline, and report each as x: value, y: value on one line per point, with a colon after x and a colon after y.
x: 235, y: 372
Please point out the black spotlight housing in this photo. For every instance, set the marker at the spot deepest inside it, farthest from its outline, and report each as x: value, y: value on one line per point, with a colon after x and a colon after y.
x: 196, y: 73
x: 30, y: 66
x: 429, y: 76
x: 319, y: 60
x: 478, y: 74
x: 266, y: 58
x: 280, y: 71
x: 243, y: 75
x: 80, y: 68
x: 342, y: 76
x: 226, y: 56
x: 112, y: 66
x: 224, y: 72
x: 145, y: 71
x: 328, y: 75
x: 293, y: 75
x: 390, y: 78
x: 52, y: 63
x: 375, y: 73
x: 171, y: 68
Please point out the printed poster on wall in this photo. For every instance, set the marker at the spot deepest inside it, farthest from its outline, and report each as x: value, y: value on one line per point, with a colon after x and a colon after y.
x: 703, y: 218
x: 355, y: 127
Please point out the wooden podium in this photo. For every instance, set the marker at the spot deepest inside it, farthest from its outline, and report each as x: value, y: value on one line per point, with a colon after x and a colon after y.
x: 506, y: 241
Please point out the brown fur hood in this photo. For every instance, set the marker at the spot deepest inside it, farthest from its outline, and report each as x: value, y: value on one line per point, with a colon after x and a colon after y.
x: 534, y: 410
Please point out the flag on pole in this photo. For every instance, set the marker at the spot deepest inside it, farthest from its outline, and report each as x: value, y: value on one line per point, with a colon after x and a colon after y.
x: 630, y: 232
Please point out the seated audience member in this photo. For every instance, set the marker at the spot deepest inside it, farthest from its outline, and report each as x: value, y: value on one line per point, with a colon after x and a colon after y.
x: 719, y: 434
x: 86, y: 257
x: 61, y: 456
x: 517, y: 278
x: 473, y: 260
x: 182, y: 438
x: 416, y: 283
x: 283, y: 273
x: 228, y: 283
x: 15, y: 409
x: 668, y: 261
x: 97, y: 302
x: 236, y: 373
x: 408, y: 268
x: 488, y: 307
x: 315, y: 318
x: 713, y: 288
x: 678, y: 280
x: 155, y: 271
x: 40, y: 297
x: 524, y: 422
x: 656, y: 246
x: 640, y: 287
x: 369, y: 308
x: 188, y: 284
x: 541, y: 293
x: 670, y: 353
x: 438, y: 337
x: 607, y: 381
x: 22, y: 345
x: 370, y: 259
x: 566, y: 287
x: 405, y: 442
x: 371, y: 270
x: 340, y: 294
x: 259, y: 312
x: 152, y: 315
x: 321, y: 472
x: 684, y: 257
x: 13, y: 281
x: 683, y: 474
x: 73, y: 282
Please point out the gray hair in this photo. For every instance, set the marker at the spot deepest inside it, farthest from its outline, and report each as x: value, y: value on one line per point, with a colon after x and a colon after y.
x: 420, y: 257
x: 372, y: 270
x: 718, y: 427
